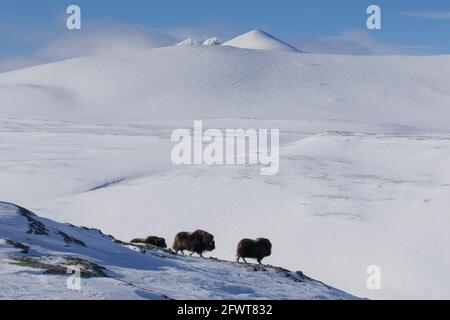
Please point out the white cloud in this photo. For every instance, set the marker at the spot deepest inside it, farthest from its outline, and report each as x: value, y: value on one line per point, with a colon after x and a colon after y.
x: 106, y: 38
x: 351, y: 43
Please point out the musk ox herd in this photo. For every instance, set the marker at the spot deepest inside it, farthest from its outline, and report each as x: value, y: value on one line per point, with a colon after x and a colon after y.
x: 201, y: 241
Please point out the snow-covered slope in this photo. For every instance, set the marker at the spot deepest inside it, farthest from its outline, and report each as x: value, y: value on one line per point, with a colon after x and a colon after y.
x: 260, y: 40
x: 198, y: 82
x: 342, y: 200
x: 36, y: 255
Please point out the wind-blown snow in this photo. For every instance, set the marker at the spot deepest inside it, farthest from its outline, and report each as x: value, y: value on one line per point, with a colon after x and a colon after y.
x: 126, y: 271
x: 363, y: 178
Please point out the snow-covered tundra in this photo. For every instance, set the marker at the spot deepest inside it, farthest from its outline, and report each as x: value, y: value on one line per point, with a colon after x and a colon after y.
x: 363, y: 175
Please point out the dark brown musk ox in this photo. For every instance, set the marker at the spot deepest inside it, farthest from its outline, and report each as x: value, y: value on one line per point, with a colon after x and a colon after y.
x: 198, y: 242
x: 155, y: 241
x: 257, y: 249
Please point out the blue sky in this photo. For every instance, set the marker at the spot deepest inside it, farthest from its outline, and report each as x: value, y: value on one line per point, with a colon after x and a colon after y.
x: 30, y: 29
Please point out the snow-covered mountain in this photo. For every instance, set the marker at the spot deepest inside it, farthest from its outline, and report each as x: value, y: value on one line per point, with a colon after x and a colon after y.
x: 365, y: 147
x: 37, y: 257
x: 260, y: 40
x: 190, y: 82
x: 214, y: 41
x: 188, y: 42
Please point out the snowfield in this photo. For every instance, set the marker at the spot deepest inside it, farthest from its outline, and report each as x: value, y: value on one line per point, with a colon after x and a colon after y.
x: 204, y: 82
x: 36, y: 254
x: 364, y: 177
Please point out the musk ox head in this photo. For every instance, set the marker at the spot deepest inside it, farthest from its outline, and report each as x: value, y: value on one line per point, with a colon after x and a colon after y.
x: 256, y: 249
x: 207, y: 239
x: 198, y: 242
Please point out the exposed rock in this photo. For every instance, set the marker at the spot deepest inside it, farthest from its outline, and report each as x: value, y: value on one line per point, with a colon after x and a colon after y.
x: 16, y: 244
x: 34, y: 225
x: 68, y: 239
x: 88, y: 269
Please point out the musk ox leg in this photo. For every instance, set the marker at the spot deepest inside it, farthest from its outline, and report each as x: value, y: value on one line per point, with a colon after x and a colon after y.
x: 238, y: 259
x: 244, y: 259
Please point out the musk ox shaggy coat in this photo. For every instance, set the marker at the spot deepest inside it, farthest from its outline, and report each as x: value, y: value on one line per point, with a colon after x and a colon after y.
x: 155, y: 241
x: 257, y: 249
x: 197, y: 242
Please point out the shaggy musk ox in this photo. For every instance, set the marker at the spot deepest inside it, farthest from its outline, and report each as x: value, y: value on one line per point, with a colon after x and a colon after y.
x: 197, y: 242
x: 257, y: 249
x: 155, y: 241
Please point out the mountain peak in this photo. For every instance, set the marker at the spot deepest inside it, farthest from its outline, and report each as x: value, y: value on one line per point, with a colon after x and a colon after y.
x: 212, y: 42
x: 260, y: 40
x: 188, y: 42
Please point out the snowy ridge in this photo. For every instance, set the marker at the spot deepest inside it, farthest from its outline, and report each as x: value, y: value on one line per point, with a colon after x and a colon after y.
x: 35, y: 254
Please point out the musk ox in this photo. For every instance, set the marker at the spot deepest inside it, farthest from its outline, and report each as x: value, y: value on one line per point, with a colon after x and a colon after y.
x: 197, y: 242
x: 257, y: 249
x: 155, y: 241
